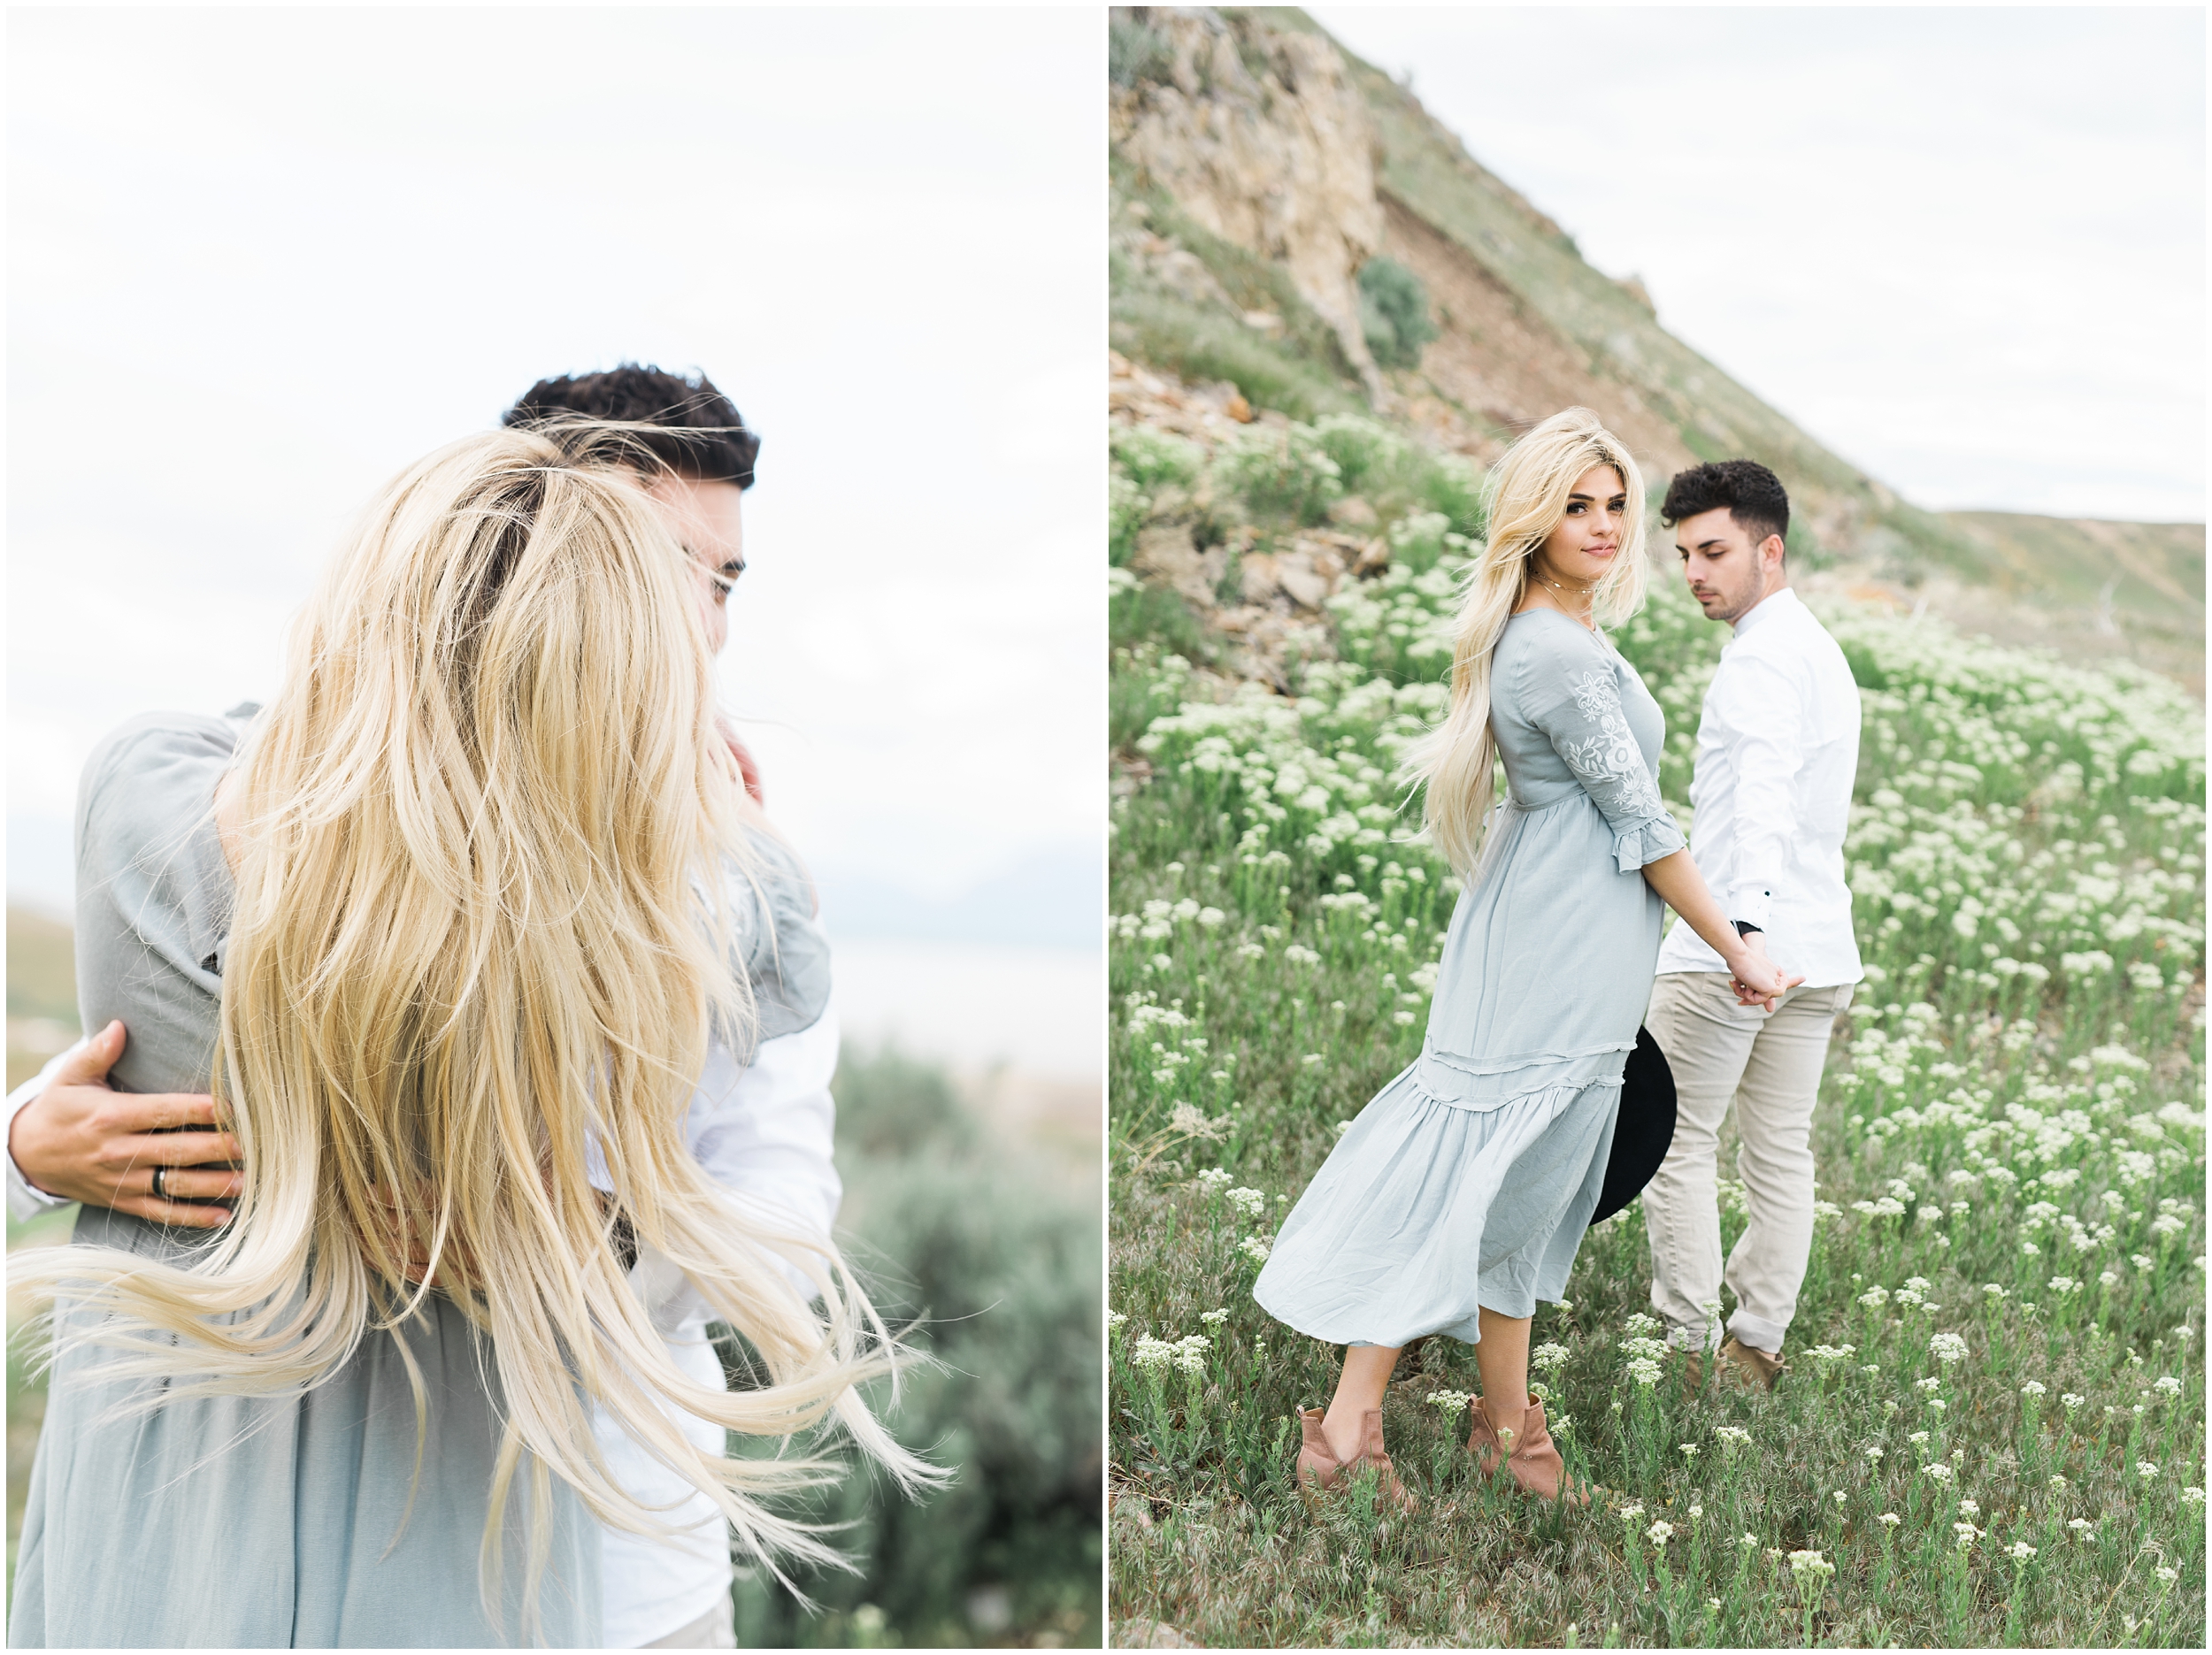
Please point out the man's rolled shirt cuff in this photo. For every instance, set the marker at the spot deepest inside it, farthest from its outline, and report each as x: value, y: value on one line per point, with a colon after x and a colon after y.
x: 1754, y: 904
x: 25, y: 1200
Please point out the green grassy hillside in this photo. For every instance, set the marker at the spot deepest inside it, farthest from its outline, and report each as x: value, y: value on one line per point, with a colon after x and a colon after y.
x: 1992, y: 1431
x: 1526, y: 326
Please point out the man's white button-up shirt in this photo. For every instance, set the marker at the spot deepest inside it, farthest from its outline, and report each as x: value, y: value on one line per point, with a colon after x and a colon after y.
x: 1778, y: 746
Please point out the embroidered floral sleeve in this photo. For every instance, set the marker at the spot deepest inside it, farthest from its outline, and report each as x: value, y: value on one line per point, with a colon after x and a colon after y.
x: 1591, y: 733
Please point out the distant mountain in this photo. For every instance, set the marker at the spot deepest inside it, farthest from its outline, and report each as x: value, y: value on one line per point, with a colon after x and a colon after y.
x: 1258, y: 168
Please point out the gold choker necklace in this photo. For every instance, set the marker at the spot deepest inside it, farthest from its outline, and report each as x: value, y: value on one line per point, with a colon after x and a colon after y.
x: 1587, y: 593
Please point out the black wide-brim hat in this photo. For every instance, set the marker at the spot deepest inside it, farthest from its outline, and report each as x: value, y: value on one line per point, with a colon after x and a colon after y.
x: 1644, y: 1129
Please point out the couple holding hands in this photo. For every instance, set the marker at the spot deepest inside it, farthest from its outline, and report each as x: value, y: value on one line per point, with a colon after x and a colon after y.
x: 1459, y: 1196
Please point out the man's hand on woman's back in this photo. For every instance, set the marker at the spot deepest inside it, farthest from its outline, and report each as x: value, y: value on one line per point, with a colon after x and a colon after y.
x: 82, y: 1140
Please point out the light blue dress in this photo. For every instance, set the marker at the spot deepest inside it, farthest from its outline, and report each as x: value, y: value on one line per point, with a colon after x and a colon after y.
x: 252, y: 1522
x: 1471, y: 1177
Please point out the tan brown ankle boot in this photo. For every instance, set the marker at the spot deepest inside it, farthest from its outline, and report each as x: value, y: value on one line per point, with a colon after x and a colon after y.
x: 1746, y: 1364
x: 1534, y: 1461
x: 1321, y: 1472
x: 1317, y: 1468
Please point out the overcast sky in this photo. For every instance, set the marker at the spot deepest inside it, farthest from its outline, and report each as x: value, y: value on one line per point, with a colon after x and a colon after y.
x: 258, y: 260
x: 1964, y: 248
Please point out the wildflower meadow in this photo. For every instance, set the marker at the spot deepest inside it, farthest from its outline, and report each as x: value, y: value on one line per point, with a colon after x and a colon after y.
x: 1991, y: 1430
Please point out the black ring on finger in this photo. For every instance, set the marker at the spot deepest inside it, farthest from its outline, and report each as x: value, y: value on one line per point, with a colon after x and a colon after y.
x: 161, y: 1194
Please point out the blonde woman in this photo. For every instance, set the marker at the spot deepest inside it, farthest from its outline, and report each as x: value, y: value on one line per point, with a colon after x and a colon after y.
x: 457, y: 926
x: 1459, y: 1196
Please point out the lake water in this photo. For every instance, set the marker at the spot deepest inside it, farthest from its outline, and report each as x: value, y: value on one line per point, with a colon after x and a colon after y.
x: 974, y: 1006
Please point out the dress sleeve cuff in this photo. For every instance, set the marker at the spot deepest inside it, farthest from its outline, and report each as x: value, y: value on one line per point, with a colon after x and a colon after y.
x: 1638, y: 844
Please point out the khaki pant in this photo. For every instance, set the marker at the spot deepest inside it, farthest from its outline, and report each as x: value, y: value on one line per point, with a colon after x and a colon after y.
x: 1769, y: 1066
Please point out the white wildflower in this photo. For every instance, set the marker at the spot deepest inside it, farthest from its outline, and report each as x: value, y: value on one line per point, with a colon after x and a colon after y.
x: 1152, y: 1354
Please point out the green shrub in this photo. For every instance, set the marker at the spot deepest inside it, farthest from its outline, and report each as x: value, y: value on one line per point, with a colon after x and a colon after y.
x: 1155, y: 459
x: 1138, y: 612
x: 1394, y: 311
x: 1419, y: 542
x: 1367, y: 453
x: 892, y: 1108
x: 1003, y: 1269
x: 1282, y: 472
x: 1398, y: 475
x: 1452, y: 484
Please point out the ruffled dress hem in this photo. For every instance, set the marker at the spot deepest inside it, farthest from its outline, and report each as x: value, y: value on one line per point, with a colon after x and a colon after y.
x: 1431, y: 1210
x: 1479, y: 1084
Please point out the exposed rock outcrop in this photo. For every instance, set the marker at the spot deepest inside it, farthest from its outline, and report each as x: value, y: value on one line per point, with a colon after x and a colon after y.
x: 1262, y: 139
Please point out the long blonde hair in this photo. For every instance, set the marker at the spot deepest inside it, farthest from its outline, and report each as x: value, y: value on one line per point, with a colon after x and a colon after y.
x: 1524, y: 499
x: 484, y: 840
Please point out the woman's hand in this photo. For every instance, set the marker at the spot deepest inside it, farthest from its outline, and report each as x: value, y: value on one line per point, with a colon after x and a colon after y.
x: 84, y: 1141
x: 1757, y: 980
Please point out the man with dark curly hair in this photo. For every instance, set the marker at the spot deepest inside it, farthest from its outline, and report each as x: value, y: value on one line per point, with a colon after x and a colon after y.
x: 1778, y: 746
x: 697, y: 433
x: 768, y: 1128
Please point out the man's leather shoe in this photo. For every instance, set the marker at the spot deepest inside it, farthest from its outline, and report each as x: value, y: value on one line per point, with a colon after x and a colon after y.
x: 1746, y: 1364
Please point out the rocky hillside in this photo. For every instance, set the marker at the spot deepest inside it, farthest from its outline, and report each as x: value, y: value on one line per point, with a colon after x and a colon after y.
x: 1265, y: 180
